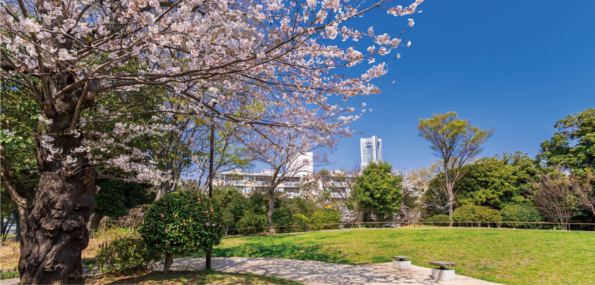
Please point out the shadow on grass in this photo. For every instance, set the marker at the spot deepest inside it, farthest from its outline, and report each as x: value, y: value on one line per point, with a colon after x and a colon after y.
x: 283, y: 250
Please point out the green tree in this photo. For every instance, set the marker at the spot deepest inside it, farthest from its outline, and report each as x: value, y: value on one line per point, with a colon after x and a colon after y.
x: 573, y: 145
x: 19, y: 175
x: 378, y: 190
x: 456, y: 142
x: 115, y: 197
x: 496, y: 181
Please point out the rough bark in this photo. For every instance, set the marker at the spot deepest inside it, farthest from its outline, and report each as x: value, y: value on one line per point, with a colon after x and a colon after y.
x: 57, y: 231
x: 56, y: 227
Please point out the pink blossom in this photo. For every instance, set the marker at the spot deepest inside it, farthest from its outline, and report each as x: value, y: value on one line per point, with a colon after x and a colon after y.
x: 166, y: 230
x: 162, y: 215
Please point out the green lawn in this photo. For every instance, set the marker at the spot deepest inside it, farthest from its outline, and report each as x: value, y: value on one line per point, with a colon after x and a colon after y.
x: 499, y: 255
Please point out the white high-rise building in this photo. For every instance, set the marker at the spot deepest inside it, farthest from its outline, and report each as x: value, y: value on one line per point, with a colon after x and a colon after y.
x: 370, y: 150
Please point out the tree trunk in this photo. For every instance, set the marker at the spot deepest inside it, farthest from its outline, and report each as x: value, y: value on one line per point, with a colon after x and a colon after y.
x: 18, y: 236
x: 169, y: 259
x: 57, y: 230
x: 271, y: 208
x: 162, y: 190
x: 95, y: 222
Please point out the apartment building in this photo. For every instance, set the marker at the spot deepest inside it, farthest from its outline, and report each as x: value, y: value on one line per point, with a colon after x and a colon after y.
x: 304, y: 180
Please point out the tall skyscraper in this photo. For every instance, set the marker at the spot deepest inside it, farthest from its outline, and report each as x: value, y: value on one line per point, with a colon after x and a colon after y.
x: 371, y: 150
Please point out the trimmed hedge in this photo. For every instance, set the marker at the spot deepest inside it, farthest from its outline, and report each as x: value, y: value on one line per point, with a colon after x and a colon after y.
x: 321, y: 219
x: 438, y: 220
x: 519, y: 213
x: 474, y: 213
x: 282, y: 220
x: 182, y: 223
x: 252, y: 223
x: 300, y: 220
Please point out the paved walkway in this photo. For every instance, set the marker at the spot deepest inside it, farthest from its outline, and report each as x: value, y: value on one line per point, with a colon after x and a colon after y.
x: 313, y: 272
x: 12, y: 281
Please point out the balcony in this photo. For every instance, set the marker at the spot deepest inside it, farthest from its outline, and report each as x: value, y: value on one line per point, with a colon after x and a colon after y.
x: 292, y: 184
x: 235, y: 182
x: 339, y: 184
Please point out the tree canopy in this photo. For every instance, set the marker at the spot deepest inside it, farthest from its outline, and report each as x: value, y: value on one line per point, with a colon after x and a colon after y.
x: 378, y: 190
x: 573, y: 145
x: 496, y: 181
x: 456, y: 142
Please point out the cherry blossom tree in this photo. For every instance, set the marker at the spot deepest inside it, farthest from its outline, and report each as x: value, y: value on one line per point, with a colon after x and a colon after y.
x: 284, y: 152
x: 228, y: 154
x: 267, y: 60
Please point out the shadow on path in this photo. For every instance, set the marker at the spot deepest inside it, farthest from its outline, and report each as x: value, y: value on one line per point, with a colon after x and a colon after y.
x: 312, y: 272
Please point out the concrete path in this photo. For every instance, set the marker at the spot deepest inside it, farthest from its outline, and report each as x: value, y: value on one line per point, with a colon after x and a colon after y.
x: 12, y: 281
x: 313, y: 272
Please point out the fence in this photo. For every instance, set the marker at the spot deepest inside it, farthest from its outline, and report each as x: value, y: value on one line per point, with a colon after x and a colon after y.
x: 392, y: 224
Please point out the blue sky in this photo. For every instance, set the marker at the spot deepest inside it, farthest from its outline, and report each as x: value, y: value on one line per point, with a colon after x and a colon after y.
x: 514, y: 66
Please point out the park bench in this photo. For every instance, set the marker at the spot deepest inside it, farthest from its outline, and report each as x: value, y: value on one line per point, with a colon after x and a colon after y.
x: 400, y: 263
x: 443, y: 273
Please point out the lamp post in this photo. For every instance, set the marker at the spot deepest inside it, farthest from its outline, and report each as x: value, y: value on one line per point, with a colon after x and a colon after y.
x: 213, y: 102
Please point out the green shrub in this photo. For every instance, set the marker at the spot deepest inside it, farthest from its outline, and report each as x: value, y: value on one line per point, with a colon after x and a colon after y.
x: 476, y: 214
x: 9, y: 275
x: 438, y: 220
x: 252, y: 223
x: 519, y: 213
x: 282, y: 220
x: 116, y: 196
x: 182, y: 223
x: 325, y: 220
x: 300, y: 220
x: 125, y: 255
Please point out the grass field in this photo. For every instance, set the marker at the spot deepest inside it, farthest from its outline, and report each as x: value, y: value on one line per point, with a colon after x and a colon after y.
x: 499, y: 255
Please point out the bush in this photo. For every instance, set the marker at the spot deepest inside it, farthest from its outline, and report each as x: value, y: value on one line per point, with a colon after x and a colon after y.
x: 9, y: 275
x: 252, y: 223
x: 321, y: 220
x: 474, y: 213
x: 518, y: 213
x: 282, y: 220
x: 125, y: 255
x: 438, y: 220
x: 300, y: 220
x: 182, y: 223
x: 116, y: 196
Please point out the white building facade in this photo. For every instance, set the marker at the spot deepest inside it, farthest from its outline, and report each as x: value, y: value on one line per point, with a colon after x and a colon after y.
x: 248, y: 182
x: 370, y: 151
